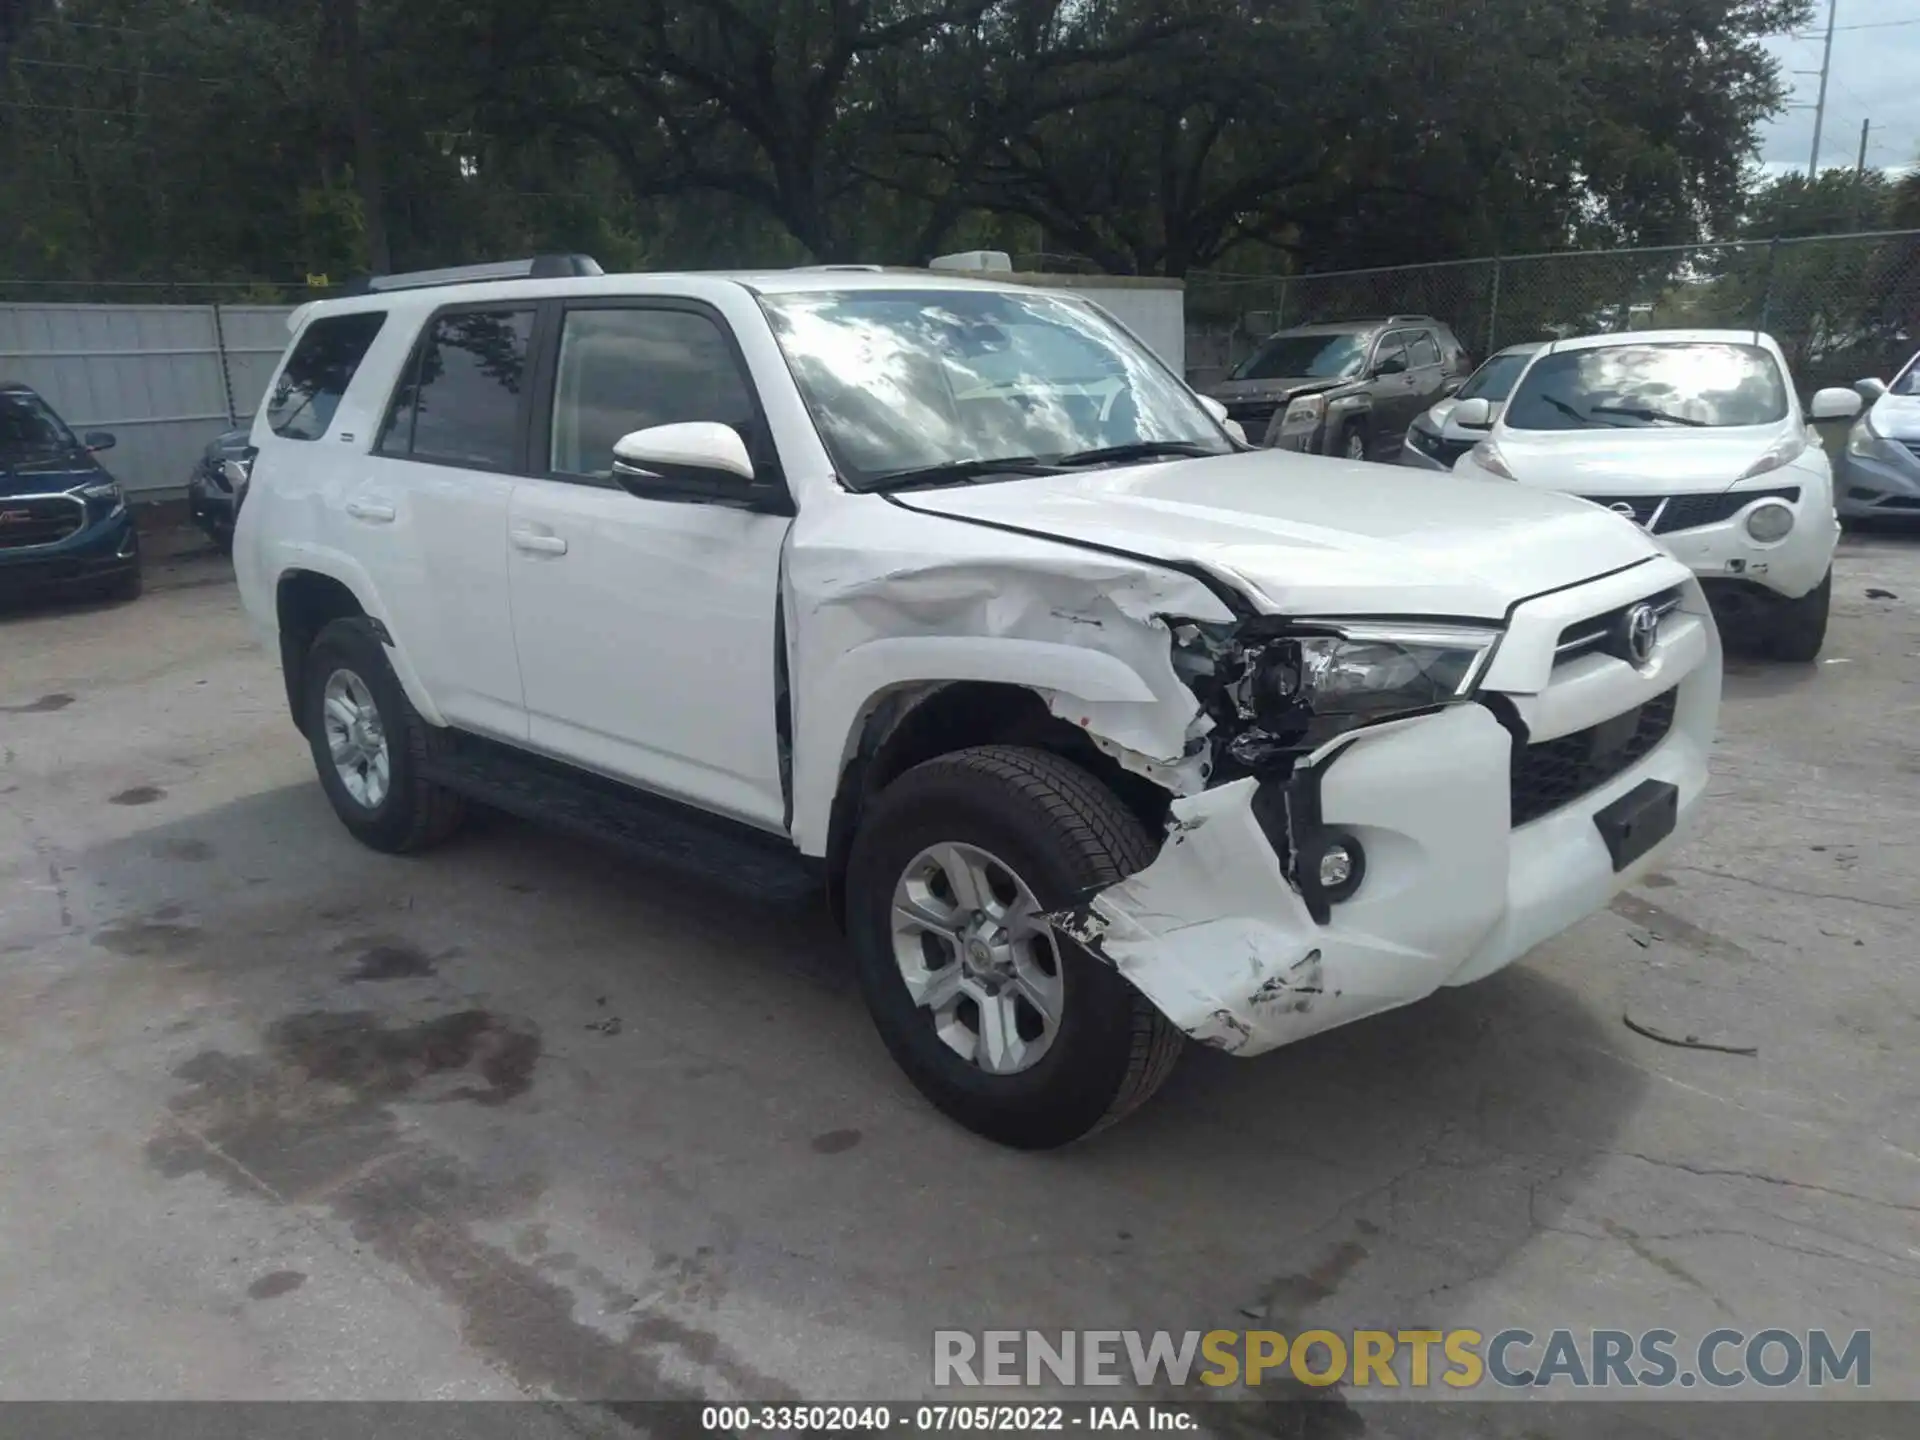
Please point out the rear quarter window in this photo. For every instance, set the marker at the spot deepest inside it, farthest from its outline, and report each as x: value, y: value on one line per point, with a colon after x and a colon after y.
x: 318, y: 372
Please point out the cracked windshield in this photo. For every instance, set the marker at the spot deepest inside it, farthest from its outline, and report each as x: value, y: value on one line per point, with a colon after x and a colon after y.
x: 911, y: 384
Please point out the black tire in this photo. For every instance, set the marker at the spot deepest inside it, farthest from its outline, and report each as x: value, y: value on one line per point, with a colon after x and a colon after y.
x: 1065, y: 834
x: 1796, y: 629
x: 1353, y: 442
x: 414, y: 813
x: 126, y: 586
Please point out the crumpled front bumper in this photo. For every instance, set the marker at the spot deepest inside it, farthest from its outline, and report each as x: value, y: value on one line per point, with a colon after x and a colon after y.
x: 1227, y: 947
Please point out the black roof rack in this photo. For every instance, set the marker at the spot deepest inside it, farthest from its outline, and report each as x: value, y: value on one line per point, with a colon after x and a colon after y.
x: 537, y: 267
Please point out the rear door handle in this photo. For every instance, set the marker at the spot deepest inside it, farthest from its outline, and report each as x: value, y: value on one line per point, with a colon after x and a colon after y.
x: 378, y: 511
x: 534, y: 544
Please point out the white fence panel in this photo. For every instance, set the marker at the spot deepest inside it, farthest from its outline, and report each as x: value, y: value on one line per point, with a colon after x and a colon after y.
x: 254, y: 337
x: 157, y: 376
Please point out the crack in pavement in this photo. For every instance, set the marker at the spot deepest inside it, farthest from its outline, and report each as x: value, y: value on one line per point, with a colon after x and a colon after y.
x: 1712, y: 1172
x: 1776, y: 887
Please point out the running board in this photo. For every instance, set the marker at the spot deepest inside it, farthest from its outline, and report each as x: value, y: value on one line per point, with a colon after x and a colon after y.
x: 647, y: 827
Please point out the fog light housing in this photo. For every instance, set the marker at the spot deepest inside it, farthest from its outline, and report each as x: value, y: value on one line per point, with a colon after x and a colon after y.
x: 1769, y: 522
x: 1341, y: 866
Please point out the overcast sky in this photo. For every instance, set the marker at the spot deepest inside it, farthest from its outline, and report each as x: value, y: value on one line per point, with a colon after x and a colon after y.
x: 1875, y: 76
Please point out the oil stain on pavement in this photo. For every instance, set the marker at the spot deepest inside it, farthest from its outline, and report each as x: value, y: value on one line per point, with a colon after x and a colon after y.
x: 310, y: 1121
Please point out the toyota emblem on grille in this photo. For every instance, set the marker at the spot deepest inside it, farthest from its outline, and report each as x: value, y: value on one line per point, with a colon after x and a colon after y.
x: 1641, y: 630
x: 1621, y: 507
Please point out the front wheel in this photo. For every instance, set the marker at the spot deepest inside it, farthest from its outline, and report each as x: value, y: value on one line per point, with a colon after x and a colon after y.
x: 1353, y: 445
x: 1798, y: 628
x: 1008, y: 1027
x: 126, y: 586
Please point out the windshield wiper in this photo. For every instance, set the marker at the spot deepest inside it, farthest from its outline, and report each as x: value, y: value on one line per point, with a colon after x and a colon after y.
x: 957, y: 472
x: 1643, y: 412
x: 1138, y: 450
x: 1574, y: 411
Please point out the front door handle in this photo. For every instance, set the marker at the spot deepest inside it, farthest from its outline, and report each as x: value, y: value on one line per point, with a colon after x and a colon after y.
x: 378, y: 511
x: 535, y: 544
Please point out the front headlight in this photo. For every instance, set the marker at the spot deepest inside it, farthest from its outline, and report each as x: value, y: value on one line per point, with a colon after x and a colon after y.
x: 1423, y: 439
x: 1863, y: 440
x: 1488, y: 457
x: 1321, y: 679
x: 103, y: 498
x: 1303, y: 413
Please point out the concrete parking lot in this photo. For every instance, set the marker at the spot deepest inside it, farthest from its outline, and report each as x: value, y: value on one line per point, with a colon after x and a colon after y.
x: 287, y: 1118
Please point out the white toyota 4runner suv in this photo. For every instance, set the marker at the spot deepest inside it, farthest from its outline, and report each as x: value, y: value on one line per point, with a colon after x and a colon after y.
x: 1101, y: 731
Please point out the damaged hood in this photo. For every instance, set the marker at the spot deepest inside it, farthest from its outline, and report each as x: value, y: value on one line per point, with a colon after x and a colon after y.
x: 1306, y: 535
x: 1897, y: 417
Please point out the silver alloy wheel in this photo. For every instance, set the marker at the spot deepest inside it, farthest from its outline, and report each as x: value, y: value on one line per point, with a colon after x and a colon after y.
x: 1356, y: 447
x: 977, y: 954
x: 355, y: 738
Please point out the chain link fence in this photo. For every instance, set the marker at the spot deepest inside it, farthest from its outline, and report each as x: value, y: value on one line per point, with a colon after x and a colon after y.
x: 1842, y: 306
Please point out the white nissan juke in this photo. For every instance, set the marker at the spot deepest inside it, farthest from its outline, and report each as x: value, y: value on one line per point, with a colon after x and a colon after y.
x: 1698, y: 437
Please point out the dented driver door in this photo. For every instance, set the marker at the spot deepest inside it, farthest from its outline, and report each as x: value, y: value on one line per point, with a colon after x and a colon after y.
x: 646, y: 628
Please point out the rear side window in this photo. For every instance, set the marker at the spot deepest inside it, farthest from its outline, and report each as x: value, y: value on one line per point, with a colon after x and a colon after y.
x: 459, y: 402
x: 318, y: 372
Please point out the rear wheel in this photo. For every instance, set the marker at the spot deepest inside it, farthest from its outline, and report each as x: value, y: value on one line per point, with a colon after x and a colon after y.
x: 370, y: 745
x: 1008, y: 1027
x: 1796, y: 629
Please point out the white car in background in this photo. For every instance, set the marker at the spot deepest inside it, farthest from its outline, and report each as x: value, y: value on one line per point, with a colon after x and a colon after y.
x: 1880, y: 472
x: 1698, y: 437
x: 1436, y: 440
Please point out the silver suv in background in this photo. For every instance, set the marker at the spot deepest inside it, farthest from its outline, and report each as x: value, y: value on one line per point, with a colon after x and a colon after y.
x: 1349, y: 387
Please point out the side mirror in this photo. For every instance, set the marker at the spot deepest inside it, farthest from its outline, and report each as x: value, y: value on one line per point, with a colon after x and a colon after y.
x: 693, y: 460
x: 1871, y: 389
x: 1235, y: 429
x: 1391, y: 365
x: 1836, y: 402
x: 1214, y: 407
x: 1474, y: 414
x: 97, y: 440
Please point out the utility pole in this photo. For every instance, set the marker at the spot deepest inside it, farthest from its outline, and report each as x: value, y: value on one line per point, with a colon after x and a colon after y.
x: 1820, y: 105
x: 1860, y: 171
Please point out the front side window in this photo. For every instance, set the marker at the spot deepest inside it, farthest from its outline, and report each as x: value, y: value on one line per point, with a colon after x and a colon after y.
x: 1694, y: 384
x: 318, y: 372
x: 907, y: 380
x: 1390, y: 345
x: 1423, y: 350
x: 1494, y: 380
x: 459, y: 403
x: 29, y: 430
x: 623, y: 370
x: 1907, y: 382
x: 1305, y: 357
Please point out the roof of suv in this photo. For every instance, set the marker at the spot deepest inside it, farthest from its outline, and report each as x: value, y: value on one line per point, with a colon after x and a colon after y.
x: 1664, y: 337
x: 1345, y: 327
